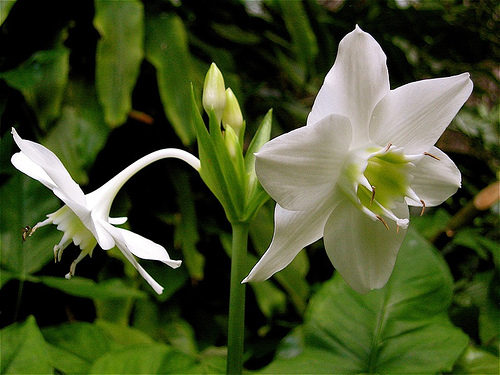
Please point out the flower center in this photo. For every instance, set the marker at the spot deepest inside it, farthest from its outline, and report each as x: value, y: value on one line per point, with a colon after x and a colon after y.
x: 375, y: 179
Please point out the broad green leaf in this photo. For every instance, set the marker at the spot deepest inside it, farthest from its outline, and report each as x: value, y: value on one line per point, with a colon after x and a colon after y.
x: 167, y: 49
x: 476, y: 361
x: 81, y: 132
x: 186, y: 228
x: 119, y: 54
x: 42, y: 80
x: 303, y: 38
x: 26, y: 202
x: 5, y: 7
x: 24, y: 350
x: 82, y: 287
x: 123, y: 334
x: 401, y: 328
x: 144, y: 359
x: 75, y: 346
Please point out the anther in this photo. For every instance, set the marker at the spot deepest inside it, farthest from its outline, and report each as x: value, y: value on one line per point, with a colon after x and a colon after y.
x: 397, y: 229
x: 383, y: 221
x: 423, y: 207
x: 373, y: 195
x: 387, y: 147
x: 432, y: 156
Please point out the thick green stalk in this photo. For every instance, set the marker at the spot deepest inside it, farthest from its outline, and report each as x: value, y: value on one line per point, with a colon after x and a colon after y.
x: 236, y: 327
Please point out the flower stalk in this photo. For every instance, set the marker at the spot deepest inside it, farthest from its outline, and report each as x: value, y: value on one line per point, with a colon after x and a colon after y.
x: 230, y: 175
x: 236, y: 325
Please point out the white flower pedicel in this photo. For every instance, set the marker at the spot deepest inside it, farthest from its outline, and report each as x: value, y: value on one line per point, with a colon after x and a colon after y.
x: 365, y: 155
x: 84, y: 219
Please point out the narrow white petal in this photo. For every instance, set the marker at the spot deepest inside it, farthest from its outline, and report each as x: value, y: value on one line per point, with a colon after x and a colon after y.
x: 415, y: 115
x: 140, y: 246
x: 362, y: 250
x: 354, y: 85
x: 52, y: 166
x: 293, y: 231
x: 299, y: 169
x: 157, y: 287
x: 31, y: 169
x: 435, y: 180
x: 146, y: 249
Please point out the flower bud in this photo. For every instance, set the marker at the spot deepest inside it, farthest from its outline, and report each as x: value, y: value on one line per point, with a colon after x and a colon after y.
x: 214, y: 96
x: 232, y: 113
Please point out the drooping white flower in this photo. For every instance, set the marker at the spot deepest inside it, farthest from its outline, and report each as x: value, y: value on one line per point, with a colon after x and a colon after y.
x: 366, y: 153
x: 84, y: 219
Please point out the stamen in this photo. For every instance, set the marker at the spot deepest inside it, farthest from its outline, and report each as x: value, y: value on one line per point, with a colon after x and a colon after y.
x: 373, y: 195
x: 423, y: 207
x: 432, y: 156
x: 383, y: 221
x: 387, y: 147
x: 397, y: 229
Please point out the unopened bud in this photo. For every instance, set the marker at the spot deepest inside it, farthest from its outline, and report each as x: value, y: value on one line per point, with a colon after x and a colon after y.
x: 232, y: 113
x: 214, y: 95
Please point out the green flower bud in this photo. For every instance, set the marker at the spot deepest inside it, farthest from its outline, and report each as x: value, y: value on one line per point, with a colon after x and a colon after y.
x: 232, y: 113
x: 214, y: 95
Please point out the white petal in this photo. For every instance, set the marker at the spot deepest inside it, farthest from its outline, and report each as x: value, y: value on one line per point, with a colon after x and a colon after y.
x: 354, y: 85
x: 435, y: 180
x: 363, y: 251
x: 142, y: 247
x: 299, y: 169
x: 293, y: 231
x: 117, y: 220
x: 415, y: 115
x: 31, y: 169
x: 157, y: 287
x: 52, y: 166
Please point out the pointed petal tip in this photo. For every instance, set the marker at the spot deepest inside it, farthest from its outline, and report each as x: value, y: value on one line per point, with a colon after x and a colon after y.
x: 173, y: 263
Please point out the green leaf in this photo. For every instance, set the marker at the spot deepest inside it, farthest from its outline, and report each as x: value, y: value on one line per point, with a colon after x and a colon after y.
x: 303, y: 37
x: 5, y: 7
x: 79, y: 134
x: 476, y: 361
x: 167, y: 49
x: 119, y: 54
x: 75, y: 346
x: 42, y: 79
x: 186, y: 228
x: 122, y: 334
x: 24, y: 350
x: 82, y: 287
x: 26, y: 202
x: 144, y: 359
x: 401, y: 328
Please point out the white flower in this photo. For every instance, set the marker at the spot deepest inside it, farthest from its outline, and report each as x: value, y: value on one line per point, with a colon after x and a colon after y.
x: 84, y: 219
x: 365, y: 155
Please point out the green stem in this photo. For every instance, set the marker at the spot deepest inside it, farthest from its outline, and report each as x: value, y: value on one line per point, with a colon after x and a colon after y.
x: 236, y: 326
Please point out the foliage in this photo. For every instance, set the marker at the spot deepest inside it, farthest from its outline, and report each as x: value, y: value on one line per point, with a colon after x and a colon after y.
x: 103, y: 83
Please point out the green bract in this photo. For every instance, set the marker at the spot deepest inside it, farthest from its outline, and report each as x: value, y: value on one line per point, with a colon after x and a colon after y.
x: 228, y: 173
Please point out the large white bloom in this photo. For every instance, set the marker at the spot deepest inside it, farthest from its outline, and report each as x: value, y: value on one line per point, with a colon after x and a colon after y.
x: 84, y: 219
x: 365, y: 155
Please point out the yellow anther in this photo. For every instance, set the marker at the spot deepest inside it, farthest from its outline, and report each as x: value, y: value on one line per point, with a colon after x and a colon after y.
x: 423, y: 207
x: 373, y: 195
x: 432, y: 156
x: 383, y: 221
